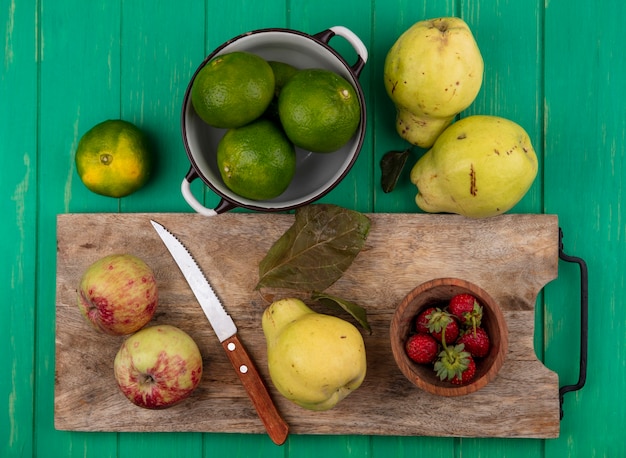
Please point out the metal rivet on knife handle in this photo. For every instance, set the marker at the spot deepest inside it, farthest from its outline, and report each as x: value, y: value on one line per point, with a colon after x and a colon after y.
x: 276, y: 427
x: 231, y: 347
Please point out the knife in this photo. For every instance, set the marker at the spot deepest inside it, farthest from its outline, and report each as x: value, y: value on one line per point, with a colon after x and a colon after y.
x: 226, y: 332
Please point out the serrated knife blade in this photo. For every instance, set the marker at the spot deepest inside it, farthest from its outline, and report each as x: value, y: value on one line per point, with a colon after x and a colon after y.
x: 220, y: 320
x: 226, y: 332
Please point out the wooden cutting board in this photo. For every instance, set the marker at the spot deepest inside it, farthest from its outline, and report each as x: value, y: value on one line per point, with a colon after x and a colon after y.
x: 510, y: 256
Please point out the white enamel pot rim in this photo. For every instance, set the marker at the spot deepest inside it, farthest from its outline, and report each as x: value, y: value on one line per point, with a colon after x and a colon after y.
x: 316, y: 173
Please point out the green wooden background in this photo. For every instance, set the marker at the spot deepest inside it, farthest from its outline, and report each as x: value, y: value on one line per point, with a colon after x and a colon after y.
x: 556, y: 67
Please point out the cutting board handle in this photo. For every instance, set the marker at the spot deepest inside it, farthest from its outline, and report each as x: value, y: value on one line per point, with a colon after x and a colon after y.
x: 584, y: 299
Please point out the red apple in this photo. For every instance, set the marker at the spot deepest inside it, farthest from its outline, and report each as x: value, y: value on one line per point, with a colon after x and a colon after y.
x: 118, y: 294
x: 158, y: 367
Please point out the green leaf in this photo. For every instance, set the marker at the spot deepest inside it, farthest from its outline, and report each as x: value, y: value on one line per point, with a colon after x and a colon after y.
x: 316, y: 250
x: 357, y: 312
x: 391, y: 166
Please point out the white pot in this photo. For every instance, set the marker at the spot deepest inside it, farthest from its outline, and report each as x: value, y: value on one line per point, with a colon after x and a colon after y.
x: 316, y: 173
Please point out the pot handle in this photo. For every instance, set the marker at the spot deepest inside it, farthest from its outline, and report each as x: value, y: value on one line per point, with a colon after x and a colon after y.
x: 353, y: 39
x: 185, y: 189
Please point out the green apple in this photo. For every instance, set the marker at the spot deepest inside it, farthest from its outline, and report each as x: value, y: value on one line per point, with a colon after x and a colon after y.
x: 314, y: 360
x: 118, y: 294
x: 158, y: 367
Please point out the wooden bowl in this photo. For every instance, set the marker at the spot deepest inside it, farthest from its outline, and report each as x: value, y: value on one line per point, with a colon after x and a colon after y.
x: 438, y: 292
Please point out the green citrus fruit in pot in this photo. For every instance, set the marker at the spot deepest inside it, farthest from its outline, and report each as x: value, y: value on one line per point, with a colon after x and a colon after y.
x: 256, y: 161
x: 233, y: 89
x: 282, y: 73
x: 319, y: 110
x: 113, y: 158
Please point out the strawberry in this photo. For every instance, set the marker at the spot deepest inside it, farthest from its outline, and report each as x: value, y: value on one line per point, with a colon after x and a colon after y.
x: 451, y: 329
x: 455, y: 365
x: 422, y: 348
x: 467, y: 309
x: 476, y: 342
x: 421, y: 322
x: 440, y: 322
x: 467, y: 375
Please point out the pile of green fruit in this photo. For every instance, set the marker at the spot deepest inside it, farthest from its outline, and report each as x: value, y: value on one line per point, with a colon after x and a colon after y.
x: 269, y: 109
x: 480, y: 166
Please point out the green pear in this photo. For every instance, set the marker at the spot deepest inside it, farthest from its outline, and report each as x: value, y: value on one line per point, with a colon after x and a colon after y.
x: 480, y: 166
x: 314, y: 360
x: 432, y: 73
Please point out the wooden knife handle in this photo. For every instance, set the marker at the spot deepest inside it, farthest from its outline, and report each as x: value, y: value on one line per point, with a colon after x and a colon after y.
x: 276, y: 427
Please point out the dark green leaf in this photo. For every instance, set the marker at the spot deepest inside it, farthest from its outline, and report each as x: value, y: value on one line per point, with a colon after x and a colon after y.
x: 316, y: 250
x: 357, y: 312
x: 391, y: 166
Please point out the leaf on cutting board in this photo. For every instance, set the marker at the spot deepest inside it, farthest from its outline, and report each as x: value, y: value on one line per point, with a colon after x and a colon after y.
x: 357, y: 312
x: 316, y: 250
x: 391, y: 166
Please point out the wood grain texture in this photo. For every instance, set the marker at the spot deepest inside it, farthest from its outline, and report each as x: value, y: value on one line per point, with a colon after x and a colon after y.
x: 512, y: 257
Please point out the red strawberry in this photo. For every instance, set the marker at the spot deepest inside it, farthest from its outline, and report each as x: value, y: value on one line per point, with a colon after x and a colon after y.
x: 451, y: 331
x: 421, y: 322
x: 441, y: 321
x: 467, y: 309
x: 455, y: 365
x: 476, y: 342
x: 467, y: 375
x: 422, y: 348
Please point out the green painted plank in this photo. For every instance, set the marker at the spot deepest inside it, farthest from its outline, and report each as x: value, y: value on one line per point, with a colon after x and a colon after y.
x: 585, y: 133
x: 313, y: 446
x: 155, y: 69
x: 158, y: 445
x: 512, y: 77
x: 413, y: 447
x: 79, y: 87
x: 244, y: 445
x: 389, y: 23
x: 18, y: 187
